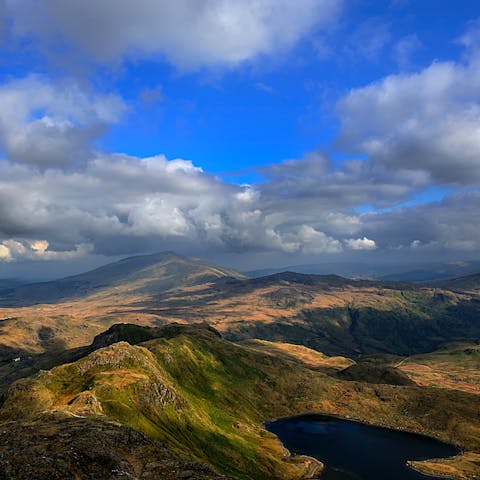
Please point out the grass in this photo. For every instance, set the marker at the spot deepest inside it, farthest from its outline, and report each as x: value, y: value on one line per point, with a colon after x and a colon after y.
x: 455, y: 367
x: 207, y: 398
x: 340, y: 317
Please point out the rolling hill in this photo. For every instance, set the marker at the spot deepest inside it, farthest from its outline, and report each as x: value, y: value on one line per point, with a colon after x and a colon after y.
x: 328, y: 313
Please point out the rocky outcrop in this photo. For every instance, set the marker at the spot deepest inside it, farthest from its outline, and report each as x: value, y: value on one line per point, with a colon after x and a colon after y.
x: 58, y: 448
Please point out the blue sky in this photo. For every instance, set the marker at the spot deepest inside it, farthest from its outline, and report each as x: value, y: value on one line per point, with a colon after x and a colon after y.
x: 256, y: 114
x: 256, y: 133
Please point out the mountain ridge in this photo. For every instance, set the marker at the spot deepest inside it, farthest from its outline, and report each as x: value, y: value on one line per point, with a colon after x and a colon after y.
x: 329, y: 313
x: 143, y: 269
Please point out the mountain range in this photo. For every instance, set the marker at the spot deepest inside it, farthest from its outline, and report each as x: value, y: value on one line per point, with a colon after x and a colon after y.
x: 164, y: 366
x: 397, y: 272
x: 329, y: 313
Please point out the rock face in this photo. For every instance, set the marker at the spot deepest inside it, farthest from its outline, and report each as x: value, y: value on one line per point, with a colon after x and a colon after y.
x: 65, y: 448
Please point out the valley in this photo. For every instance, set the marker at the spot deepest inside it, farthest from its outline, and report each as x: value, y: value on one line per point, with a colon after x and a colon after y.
x: 207, y: 398
x: 198, y: 358
x: 328, y: 313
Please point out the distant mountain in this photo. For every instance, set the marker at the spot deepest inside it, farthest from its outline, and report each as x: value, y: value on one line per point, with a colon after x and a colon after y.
x: 328, y: 313
x: 345, y: 270
x: 434, y: 271
x: 412, y: 273
x: 332, y: 314
x: 146, y: 274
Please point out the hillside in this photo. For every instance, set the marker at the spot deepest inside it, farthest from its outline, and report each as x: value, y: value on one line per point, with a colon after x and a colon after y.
x: 466, y: 283
x: 456, y: 366
x: 207, y: 399
x: 68, y: 313
x: 331, y: 314
x: 328, y: 313
x: 144, y: 274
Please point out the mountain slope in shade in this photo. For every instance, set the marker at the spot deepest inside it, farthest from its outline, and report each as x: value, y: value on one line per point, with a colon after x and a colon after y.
x: 390, y: 272
x: 146, y: 274
x: 465, y: 284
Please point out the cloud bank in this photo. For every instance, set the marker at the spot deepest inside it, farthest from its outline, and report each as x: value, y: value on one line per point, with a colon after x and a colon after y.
x: 50, y: 125
x: 61, y: 197
x: 190, y: 34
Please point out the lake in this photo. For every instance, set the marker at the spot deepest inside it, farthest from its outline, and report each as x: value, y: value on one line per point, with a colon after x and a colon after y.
x: 353, y: 451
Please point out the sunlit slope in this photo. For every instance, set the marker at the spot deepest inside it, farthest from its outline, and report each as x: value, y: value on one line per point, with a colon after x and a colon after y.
x: 147, y: 274
x: 327, y: 313
x: 455, y: 367
x: 69, y: 312
x: 207, y: 398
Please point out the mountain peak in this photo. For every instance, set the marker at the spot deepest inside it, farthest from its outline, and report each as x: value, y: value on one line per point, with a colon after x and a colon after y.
x: 142, y: 274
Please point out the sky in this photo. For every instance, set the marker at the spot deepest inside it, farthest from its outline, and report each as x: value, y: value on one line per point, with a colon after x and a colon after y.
x: 254, y: 133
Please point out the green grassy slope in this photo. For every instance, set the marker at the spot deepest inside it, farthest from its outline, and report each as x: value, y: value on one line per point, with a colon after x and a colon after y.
x: 207, y: 398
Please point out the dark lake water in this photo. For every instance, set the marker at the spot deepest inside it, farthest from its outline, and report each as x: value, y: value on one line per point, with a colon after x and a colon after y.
x: 352, y: 451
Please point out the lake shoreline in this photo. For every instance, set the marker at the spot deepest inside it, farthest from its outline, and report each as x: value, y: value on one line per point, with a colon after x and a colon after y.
x: 410, y: 464
x: 369, y: 424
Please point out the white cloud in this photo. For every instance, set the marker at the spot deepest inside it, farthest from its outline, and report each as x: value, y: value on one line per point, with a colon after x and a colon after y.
x: 151, y: 200
x: 361, y: 243
x: 52, y: 125
x: 423, y: 122
x: 5, y: 255
x: 416, y: 129
x: 12, y: 249
x: 124, y: 205
x: 317, y: 242
x: 190, y: 33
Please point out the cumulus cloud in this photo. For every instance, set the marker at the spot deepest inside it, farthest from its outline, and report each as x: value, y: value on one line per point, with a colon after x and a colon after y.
x: 125, y: 205
x: 361, y: 243
x: 190, y: 33
x: 11, y: 250
x: 417, y: 130
x: 422, y: 122
x: 449, y: 225
x: 151, y: 201
x: 315, y: 184
x: 51, y: 125
x: 317, y: 242
x: 5, y: 254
